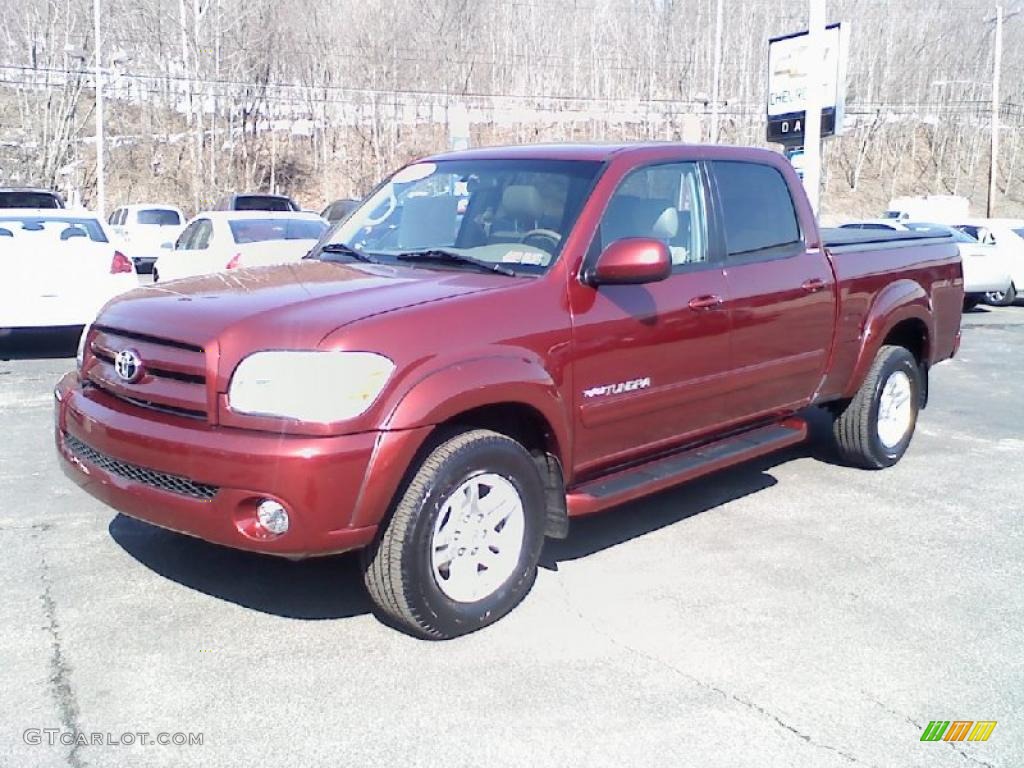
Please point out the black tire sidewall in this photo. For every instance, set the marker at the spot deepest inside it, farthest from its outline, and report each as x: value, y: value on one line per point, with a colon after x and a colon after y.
x: 899, y: 360
x: 509, y: 460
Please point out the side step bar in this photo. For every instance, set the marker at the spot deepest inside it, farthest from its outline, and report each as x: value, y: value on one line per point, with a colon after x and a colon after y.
x: 629, y: 484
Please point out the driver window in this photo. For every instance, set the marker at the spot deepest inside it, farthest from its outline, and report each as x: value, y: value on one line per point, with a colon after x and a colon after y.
x: 663, y: 202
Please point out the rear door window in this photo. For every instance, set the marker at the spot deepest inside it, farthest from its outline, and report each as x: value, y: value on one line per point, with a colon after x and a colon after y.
x: 757, y: 212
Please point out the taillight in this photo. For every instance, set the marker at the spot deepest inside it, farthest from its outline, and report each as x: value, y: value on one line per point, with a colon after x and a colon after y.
x: 235, y: 263
x: 120, y: 263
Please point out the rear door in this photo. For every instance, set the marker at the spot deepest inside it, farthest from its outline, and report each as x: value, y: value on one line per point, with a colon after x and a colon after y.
x: 650, y: 361
x: 781, y: 293
x: 193, y: 253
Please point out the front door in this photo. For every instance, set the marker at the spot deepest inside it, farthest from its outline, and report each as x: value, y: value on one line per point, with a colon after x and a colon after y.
x: 649, y: 360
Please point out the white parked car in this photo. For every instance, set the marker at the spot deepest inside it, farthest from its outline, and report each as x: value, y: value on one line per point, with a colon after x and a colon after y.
x: 1007, y: 235
x: 945, y: 209
x: 219, y: 240
x: 140, y: 231
x: 986, y: 267
x: 57, y: 269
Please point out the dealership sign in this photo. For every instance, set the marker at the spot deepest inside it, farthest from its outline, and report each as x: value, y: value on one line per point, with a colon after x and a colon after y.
x: 788, y: 65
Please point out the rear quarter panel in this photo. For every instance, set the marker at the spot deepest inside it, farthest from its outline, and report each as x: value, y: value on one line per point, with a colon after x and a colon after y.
x: 880, y: 287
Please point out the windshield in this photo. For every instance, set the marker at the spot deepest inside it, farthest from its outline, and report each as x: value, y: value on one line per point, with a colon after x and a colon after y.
x: 160, y: 216
x: 260, y: 230
x: 21, y: 228
x: 1019, y: 231
x: 516, y: 213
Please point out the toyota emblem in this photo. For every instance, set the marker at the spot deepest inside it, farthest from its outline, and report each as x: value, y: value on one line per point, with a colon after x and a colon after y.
x: 128, y: 365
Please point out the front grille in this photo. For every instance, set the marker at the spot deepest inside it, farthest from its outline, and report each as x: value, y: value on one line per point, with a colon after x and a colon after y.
x: 174, y: 381
x: 161, y: 480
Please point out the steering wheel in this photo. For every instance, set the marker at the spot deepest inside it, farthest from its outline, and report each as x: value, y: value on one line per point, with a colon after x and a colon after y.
x: 548, y: 235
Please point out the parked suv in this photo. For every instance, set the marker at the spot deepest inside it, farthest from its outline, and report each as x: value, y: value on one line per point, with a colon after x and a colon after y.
x: 25, y: 197
x: 256, y: 201
x: 144, y: 229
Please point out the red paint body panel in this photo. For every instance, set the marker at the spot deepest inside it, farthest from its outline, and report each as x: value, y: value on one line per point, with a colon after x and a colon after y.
x: 619, y: 374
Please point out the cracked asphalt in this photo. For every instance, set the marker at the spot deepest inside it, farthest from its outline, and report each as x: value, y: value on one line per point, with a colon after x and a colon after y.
x: 790, y: 612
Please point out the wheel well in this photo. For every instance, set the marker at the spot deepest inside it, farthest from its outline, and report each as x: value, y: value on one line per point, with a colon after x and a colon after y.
x: 912, y: 335
x: 529, y: 428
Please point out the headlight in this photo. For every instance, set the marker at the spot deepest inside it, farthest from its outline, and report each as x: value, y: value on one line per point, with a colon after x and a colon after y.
x: 319, y: 387
x: 81, y: 345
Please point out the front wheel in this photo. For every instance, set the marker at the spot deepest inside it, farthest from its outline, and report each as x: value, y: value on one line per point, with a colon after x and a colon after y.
x: 461, y: 549
x: 1002, y: 298
x: 874, y: 429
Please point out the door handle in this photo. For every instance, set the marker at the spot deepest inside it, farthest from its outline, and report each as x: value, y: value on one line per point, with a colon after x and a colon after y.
x: 813, y: 285
x: 699, y: 303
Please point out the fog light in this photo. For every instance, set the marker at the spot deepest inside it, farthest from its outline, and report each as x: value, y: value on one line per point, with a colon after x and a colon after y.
x: 272, y: 516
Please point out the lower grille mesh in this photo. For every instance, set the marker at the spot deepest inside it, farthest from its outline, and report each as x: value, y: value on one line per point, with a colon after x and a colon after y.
x: 172, y: 483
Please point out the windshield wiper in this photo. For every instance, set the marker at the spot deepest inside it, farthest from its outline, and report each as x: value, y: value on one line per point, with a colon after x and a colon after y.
x: 440, y: 254
x: 347, y: 250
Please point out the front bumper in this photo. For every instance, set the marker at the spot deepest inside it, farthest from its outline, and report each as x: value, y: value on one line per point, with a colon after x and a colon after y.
x: 206, y: 481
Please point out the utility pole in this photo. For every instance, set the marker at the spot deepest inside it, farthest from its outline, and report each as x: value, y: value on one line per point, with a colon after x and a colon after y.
x: 813, y: 60
x: 993, y: 162
x: 718, y: 73
x: 101, y: 187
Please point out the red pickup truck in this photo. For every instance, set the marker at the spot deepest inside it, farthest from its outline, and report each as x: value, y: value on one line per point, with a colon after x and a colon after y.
x: 496, y: 341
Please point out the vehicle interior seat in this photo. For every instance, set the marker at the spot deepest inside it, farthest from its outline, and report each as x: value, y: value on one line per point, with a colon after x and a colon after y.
x: 70, y: 232
x: 520, y: 211
x: 629, y: 216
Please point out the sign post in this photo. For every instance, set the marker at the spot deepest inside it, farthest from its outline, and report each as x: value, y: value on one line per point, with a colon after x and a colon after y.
x: 791, y: 92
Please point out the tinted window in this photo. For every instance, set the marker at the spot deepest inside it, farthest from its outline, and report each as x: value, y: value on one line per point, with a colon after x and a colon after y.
x: 663, y: 202
x: 204, y: 231
x: 262, y: 203
x: 260, y: 230
x: 757, y: 209
x: 1019, y: 231
x: 29, y: 200
x: 159, y: 216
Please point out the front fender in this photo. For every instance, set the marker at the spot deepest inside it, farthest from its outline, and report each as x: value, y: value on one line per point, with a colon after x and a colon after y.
x: 441, y: 395
x: 481, y: 381
x: 897, y: 302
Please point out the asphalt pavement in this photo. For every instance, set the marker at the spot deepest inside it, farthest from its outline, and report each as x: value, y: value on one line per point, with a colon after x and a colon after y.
x: 791, y: 612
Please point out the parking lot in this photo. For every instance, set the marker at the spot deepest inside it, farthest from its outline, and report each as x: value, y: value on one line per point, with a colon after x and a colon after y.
x: 792, y: 612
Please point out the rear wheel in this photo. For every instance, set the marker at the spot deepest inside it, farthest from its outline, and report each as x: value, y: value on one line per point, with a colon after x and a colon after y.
x: 970, y: 302
x: 1002, y: 298
x: 461, y: 549
x: 874, y: 429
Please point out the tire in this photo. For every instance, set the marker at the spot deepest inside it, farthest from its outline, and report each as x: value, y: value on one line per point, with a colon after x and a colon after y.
x: 156, y: 276
x: 970, y: 302
x: 1002, y: 298
x: 859, y: 437
x: 404, y: 569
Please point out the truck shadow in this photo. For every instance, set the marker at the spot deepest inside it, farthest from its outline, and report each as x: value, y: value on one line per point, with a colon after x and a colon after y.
x: 331, y: 587
x: 318, y: 588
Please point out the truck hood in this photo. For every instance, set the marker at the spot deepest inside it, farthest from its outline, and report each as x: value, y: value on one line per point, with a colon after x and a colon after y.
x: 290, y: 306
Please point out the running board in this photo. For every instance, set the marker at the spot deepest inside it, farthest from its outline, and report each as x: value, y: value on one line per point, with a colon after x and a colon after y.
x: 629, y: 484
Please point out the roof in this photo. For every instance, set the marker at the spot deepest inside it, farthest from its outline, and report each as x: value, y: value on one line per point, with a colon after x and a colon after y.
x: 599, y: 152
x: 44, y: 213
x: 148, y: 207
x: 34, y: 190
x: 225, y: 215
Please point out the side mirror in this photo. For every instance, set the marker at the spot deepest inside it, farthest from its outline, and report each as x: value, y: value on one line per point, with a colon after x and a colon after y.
x: 632, y: 261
